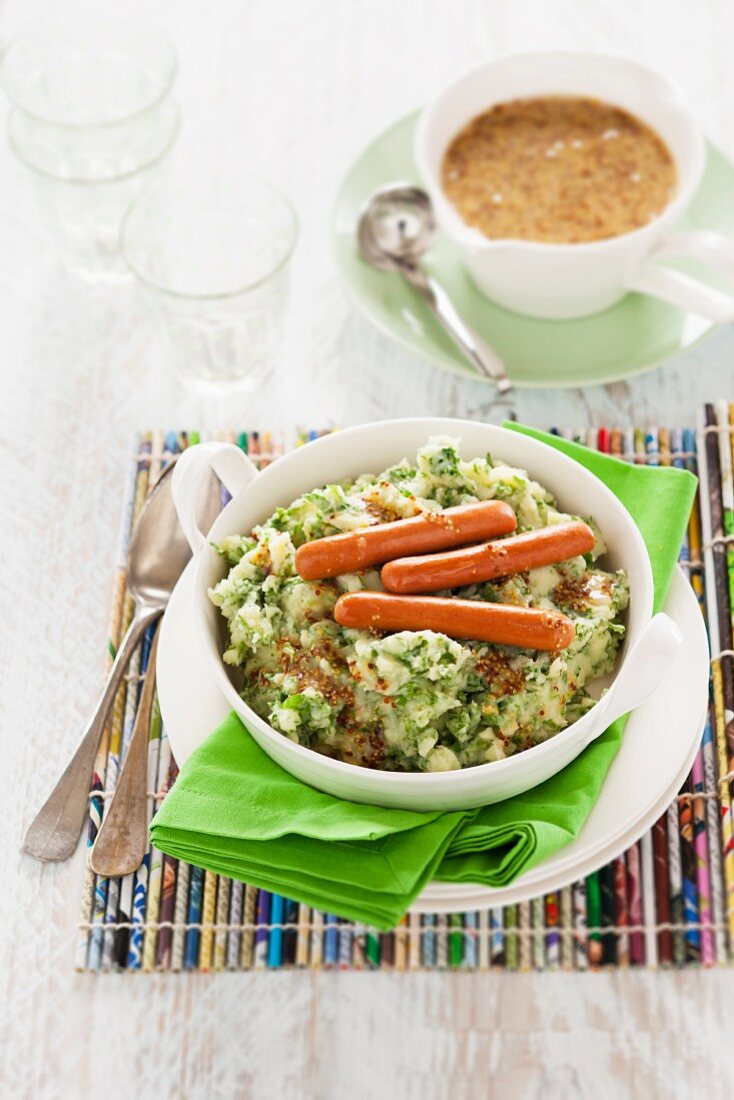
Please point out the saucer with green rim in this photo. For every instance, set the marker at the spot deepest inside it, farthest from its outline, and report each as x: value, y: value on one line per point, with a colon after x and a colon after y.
x: 635, y: 335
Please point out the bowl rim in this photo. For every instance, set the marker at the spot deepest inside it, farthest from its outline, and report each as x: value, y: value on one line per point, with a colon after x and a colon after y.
x: 469, y: 237
x: 206, y: 612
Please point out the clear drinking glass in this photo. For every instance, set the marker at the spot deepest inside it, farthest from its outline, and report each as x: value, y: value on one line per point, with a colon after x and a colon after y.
x: 212, y: 254
x: 92, y: 118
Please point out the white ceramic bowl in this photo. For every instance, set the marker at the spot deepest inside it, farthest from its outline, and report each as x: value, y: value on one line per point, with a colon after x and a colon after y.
x: 571, y: 280
x: 372, y: 448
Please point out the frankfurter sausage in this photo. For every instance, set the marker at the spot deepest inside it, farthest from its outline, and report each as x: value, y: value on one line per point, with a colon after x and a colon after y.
x: 503, y: 558
x: 357, y: 550
x: 503, y: 624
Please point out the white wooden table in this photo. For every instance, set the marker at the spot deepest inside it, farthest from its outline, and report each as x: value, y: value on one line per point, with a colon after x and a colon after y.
x: 296, y: 88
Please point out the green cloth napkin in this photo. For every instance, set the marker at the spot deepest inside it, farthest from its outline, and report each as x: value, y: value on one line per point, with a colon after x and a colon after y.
x: 236, y: 812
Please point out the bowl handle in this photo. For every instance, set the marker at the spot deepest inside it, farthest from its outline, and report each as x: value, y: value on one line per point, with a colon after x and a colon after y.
x: 643, y: 671
x: 229, y: 463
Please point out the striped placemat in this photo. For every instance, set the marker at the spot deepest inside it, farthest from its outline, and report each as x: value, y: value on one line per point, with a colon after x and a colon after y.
x: 667, y: 901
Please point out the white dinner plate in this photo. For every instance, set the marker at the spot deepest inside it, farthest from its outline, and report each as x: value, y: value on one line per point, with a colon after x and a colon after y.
x: 656, y: 754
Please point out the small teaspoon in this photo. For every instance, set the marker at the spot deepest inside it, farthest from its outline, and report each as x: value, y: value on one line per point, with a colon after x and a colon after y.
x: 395, y: 230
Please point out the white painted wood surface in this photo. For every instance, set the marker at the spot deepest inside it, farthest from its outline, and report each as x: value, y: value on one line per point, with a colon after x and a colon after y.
x: 296, y: 88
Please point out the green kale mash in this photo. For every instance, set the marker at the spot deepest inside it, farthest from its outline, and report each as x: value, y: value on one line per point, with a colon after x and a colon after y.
x: 416, y: 700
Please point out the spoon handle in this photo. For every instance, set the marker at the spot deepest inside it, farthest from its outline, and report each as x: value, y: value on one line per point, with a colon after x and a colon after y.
x: 484, y: 358
x: 53, y: 834
x: 123, y: 836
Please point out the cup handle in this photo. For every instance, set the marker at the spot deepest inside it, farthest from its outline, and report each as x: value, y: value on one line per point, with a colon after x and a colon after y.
x: 229, y: 463
x: 685, y: 291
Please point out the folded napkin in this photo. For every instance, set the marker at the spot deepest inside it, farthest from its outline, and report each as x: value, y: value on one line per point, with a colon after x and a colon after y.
x: 236, y: 812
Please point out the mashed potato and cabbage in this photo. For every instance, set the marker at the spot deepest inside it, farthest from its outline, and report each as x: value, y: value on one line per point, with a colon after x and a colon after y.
x: 415, y: 700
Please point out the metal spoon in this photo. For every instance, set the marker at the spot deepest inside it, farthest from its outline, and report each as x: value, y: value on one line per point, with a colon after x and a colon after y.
x: 158, y: 555
x: 122, y: 839
x: 395, y: 230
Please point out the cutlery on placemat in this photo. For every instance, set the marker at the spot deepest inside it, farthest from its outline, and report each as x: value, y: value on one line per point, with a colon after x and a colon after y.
x: 395, y: 231
x: 122, y: 839
x: 158, y: 554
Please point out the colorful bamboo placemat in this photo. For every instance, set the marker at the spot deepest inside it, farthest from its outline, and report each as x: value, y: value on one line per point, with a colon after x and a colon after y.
x: 667, y: 901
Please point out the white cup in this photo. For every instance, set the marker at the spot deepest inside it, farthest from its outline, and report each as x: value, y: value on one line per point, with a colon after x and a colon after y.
x: 573, y: 280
